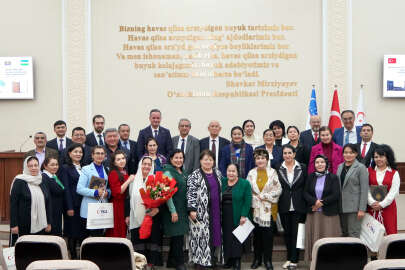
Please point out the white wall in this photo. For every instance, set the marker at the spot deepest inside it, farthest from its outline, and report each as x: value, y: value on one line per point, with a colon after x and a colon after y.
x: 378, y: 30
x: 32, y: 28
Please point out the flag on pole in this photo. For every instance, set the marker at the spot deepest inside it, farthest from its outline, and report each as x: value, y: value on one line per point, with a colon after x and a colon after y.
x: 361, y: 115
x: 334, y: 119
x: 312, y: 108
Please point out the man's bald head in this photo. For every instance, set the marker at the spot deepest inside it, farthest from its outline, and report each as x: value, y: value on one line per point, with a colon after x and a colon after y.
x: 315, y: 122
x: 214, y: 128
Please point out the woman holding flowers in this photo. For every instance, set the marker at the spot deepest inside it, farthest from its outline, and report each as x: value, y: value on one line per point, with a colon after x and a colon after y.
x: 150, y: 247
x: 203, y: 203
x: 175, y: 220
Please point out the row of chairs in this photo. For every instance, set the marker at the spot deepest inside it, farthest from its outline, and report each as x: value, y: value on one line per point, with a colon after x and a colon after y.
x: 349, y: 253
x: 106, y: 252
x: 117, y: 253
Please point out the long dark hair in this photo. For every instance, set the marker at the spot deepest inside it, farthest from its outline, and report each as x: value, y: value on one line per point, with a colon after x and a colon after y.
x: 386, y: 150
x: 115, y: 168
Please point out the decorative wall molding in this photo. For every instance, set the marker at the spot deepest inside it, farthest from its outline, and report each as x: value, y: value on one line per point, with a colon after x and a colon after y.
x: 76, y: 62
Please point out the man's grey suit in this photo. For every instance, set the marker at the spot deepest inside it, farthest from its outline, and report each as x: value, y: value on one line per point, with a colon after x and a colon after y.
x: 192, y: 154
x: 354, y: 197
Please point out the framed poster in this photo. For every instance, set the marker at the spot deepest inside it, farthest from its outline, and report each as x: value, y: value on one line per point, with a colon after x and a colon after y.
x: 394, y: 76
x: 16, y: 78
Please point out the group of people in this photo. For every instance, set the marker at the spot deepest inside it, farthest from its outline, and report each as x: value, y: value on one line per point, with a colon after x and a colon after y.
x: 318, y: 178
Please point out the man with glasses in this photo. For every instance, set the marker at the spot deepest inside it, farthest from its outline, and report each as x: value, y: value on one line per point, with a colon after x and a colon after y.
x: 348, y: 133
x: 78, y: 136
x: 189, y: 145
x: 41, y: 151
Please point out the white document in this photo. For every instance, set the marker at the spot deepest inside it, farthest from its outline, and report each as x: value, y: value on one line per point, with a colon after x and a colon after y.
x: 301, y: 236
x: 242, y: 231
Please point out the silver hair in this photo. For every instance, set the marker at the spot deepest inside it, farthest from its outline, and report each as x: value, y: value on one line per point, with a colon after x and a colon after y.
x: 40, y: 132
x: 184, y: 119
x: 108, y: 130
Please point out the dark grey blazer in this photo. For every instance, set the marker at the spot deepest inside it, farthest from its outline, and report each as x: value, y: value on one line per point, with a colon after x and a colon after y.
x: 355, y: 188
x: 192, y: 154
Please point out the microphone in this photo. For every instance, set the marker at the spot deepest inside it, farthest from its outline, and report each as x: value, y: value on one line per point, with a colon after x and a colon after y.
x: 26, y: 140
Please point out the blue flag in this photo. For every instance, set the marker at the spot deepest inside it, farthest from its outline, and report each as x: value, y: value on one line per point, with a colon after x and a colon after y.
x: 313, y: 108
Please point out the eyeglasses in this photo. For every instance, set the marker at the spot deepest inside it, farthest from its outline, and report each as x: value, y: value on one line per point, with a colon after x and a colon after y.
x: 39, y: 138
x: 99, y: 153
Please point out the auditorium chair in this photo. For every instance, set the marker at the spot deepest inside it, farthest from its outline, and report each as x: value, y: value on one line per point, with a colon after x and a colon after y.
x: 30, y: 248
x: 62, y: 265
x: 111, y: 253
x: 386, y: 265
x: 392, y: 247
x: 337, y: 253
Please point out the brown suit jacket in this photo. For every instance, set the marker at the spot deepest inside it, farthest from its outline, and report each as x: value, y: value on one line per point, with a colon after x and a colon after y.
x: 49, y: 152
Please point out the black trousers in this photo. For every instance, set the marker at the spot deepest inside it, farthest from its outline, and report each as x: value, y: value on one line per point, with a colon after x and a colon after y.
x: 290, y: 222
x: 263, y: 242
x: 176, y: 253
x: 91, y: 233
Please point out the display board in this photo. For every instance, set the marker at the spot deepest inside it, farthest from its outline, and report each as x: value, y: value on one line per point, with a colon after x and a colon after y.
x: 16, y: 78
x: 394, y: 76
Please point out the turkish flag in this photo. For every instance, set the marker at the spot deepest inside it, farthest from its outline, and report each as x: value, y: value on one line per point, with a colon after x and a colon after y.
x: 392, y: 60
x: 334, y: 119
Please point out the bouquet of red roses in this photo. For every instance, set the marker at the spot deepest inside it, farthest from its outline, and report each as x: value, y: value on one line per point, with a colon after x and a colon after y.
x: 159, y: 189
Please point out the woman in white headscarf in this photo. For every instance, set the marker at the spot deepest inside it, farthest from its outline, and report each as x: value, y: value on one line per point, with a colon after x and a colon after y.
x: 29, y: 202
x: 150, y: 247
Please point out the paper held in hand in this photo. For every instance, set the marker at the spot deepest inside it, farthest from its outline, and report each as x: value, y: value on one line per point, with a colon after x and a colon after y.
x: 242, y: 231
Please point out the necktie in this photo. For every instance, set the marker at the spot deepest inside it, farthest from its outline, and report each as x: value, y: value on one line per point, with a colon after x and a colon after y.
x: 363, y: 151
x: 60, y: 144
x: 126, y: 145
x: 316, y: 137
x: 182, y: 145
x: 100, y: 140
x: 347, y: 137
x: 156, y: 133
x: 213, y: 147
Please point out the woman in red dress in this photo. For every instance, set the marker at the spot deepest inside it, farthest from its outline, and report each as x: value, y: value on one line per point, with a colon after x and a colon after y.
x: 119, y: 181
x: 384, y: 173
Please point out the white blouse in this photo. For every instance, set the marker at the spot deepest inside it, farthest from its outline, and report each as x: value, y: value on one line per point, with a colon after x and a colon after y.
x: 394, y: 191
x: 253, y: 140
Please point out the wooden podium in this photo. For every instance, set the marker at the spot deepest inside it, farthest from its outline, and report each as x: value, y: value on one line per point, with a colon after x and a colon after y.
x: 11, y: 164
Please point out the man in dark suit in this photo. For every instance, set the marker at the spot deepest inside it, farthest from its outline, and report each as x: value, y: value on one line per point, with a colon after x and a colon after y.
x: 348, y: 133
x: 78, y: 136
x: 189, y: 145
x: 366, y: 147
x: 154, y: 130
x: 61, y: 141
x: 112, y: 144
x: 130, y: 145
x: 41, y: 151
x: 310, y: 137
x: 214, y: 142
x: 96, y: 137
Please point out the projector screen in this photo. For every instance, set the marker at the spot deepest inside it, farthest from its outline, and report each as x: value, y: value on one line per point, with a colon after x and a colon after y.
x: 16, y: 78
x: 394, y: 76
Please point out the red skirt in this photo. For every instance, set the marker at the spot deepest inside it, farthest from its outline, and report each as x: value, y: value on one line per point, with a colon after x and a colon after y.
x: 120, y: 227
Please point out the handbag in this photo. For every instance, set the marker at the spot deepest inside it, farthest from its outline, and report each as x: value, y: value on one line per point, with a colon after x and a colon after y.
x: 372, y: 232
x: 100, y: 216
x: 8, y: 255
x: 301, y: 236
